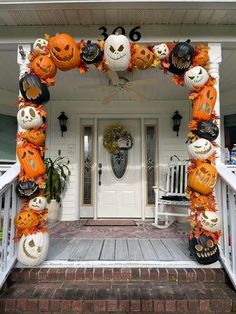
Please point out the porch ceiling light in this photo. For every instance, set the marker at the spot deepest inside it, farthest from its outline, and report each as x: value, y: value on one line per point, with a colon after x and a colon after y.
x: 63, y: 121
x: 176, y: 122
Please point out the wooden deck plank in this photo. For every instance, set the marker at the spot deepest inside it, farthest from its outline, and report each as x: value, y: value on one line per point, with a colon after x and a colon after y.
x: 121, y: 252
x: 134, y: 250
x: 94, y: 250
x: 56, y: 246
x: 80, y: 250
x: 162, y: 252
x: 181, y: 243
x: 175, y: 251
x: 66, y: 250
x: 108, y: 250
x: 148, y: 250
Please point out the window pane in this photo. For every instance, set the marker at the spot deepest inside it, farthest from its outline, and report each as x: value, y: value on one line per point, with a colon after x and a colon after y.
x: 8, y: 129
x: 87, y: 163
x: 150, y: 163
x: 119, y: 162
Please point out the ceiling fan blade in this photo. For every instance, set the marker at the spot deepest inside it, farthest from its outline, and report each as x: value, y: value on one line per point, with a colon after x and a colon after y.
x: 109, y: 98
x: 113, y: 77
x: 144, y: 82
x: 133, y: 94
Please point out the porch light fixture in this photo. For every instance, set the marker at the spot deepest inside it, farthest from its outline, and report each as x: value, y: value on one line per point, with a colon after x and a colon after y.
x: 176, y: 122
x: 62, y: 120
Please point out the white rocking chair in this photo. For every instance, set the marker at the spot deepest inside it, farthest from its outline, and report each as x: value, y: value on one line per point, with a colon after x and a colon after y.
x: 173, y: 195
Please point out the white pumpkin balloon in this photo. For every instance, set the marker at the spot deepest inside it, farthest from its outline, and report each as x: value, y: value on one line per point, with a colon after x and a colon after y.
x: 196, y: 77
x: 38, y: 203
x: 117, y: 52
x: 29, y: 118
x: 201, y: 149
x: 210, y: 221
x: 39, y: 45
x: 161, y: 51
x: 33, y: 248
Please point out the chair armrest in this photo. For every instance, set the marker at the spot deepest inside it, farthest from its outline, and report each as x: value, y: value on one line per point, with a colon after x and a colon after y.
x: 155, y: 187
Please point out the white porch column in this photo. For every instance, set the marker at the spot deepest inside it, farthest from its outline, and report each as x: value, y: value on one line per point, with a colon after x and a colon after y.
x: 214, y: 63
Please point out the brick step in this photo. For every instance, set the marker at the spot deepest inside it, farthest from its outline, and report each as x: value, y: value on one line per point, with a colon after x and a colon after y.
x: 119, y: 274
x: 117, y: 297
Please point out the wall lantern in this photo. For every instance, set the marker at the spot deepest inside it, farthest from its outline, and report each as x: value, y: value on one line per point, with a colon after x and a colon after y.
x: 62, y: 120
x: 176, y: 122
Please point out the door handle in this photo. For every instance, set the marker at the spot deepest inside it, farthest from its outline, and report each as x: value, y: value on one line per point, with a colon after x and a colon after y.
x: 99, y: 174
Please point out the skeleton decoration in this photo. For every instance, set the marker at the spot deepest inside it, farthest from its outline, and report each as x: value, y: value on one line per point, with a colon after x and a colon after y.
x: 38, y: 203
x: 29, y: 118
x: 204, y: 250
x: 201, y: 149
x: 196, y: 77
x: 33, y: 248
x: 117, y: 52
x: 40, y: 46
x: 161, y: 51
x: 210, y: 221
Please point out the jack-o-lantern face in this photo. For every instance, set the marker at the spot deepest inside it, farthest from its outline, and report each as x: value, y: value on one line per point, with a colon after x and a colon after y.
x: 204, y: 103
x: 38, y: 203
x: 204, y: 250
x: 26, y: 220
x: 36, y: 137
x: 202, y: 201
x: 203, y: 178
x: 181, y: 57
x: 30, y: 160
x: 202, y: 56
x: 200, y: 149
x: 44, y: 67
x: 33, y: 248
x: 40, y: 45
x: 117, y: 52
x: 91, y: 53
x: 29, y: 118
x: 196, y: 77
x: 64, y: 52
x: 33, y: 90
x: 161, y: 51
x: 207, y: 130
x: 210, y: 221
x: 27, y: 189
x: 142, y: 57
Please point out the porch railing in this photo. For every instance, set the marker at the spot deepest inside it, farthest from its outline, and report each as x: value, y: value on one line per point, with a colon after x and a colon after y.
x: 226, y: 202
x: 8, y: 207
x: 5, y: 165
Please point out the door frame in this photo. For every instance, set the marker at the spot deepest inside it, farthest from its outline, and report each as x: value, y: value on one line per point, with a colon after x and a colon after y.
x: 96, y: 118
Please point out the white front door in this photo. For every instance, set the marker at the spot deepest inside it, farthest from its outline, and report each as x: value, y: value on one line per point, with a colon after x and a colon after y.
x: 120, y: 197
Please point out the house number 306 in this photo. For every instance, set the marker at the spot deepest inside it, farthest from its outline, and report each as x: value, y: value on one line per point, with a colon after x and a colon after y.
x: 134, y: 34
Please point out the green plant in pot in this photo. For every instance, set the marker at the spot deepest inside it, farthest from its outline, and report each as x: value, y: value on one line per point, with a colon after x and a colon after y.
x: 57, y: 174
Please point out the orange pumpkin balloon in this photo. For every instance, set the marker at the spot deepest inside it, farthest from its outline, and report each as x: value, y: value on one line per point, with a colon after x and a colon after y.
x: 203, y: 178
x: 44, y: 67
x: 30, y: 160
x: 204, y: 103
x: 202, y: 56
x: 202, y: 201
x: 35, y: 137
x: 142, y: 57
x: 64, y: 52
x: 25, y: 220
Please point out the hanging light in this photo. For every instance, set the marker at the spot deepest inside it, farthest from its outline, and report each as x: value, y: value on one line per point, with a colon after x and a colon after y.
x: 176, y: 122
x: 63, y: 121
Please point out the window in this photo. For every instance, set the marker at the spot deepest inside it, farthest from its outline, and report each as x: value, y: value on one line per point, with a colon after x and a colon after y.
x: 87, y: 164
x: 8, y: 129
x: 150, y: 163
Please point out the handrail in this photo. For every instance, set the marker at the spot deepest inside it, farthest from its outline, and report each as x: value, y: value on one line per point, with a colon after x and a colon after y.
x: 227, y: 176
x: 9, y: 176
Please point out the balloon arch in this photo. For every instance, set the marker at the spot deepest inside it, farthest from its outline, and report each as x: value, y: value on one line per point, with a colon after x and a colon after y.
x: 189, y: 66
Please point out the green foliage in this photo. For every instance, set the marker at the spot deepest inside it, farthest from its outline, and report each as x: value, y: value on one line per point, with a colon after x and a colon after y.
x: 57, y: 174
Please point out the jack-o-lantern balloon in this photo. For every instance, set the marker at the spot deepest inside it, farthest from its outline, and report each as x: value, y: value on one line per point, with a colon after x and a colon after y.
x: 196, y: 77
x: 29, y: 118
x: 64, y: 51
x: 203, y: 178
x: 30, y: 160
x: 33, y: 90
x: 117, y: 52
x: 44, y: 67
x: 161, y: 51
x: 199, y: 201
x: 207, y: 130
x: 181, y: 57
x: 202, y: 57
x: 27, y: 189
x: 40, y: 46
x: 204, y: 250
x: 204, y: 104
x: 36, y: 137
x: 26, y: 219
x: 210, y: 221
x: 91, y: 53
x: 38, y: 203
x: 142, y: 57
x: 33, y: 248
x: 201, y: 149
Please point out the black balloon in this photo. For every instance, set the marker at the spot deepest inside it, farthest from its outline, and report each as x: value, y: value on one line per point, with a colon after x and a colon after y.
x: 181, y: 57
x: 207, y: 130
x: 204, y: 250
x: 91, y: 53
x: 33, y: 90
x: 27, y: 189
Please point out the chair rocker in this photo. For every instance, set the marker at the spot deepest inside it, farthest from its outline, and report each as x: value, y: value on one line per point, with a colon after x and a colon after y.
x: 173, y: 195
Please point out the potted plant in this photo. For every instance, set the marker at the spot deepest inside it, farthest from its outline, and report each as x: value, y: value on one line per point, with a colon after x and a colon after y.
x: 57, y: 174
